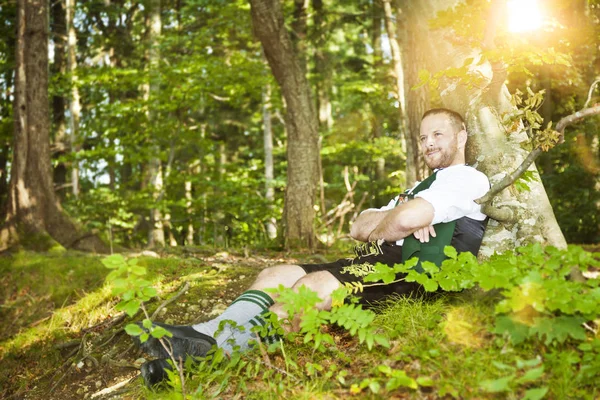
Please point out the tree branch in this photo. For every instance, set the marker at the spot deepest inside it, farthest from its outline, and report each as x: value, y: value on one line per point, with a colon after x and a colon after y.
x: 510, y: 178
x: 560, y: 127
x: 589, y: 98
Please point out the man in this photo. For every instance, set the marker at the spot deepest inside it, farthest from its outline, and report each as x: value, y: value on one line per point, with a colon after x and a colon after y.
x: 437, y: 212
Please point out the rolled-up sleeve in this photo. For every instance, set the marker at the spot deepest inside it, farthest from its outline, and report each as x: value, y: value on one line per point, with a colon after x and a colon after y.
x: 453, y: 192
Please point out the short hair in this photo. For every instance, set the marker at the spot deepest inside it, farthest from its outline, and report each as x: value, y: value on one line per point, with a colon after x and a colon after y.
x: 456, y: 120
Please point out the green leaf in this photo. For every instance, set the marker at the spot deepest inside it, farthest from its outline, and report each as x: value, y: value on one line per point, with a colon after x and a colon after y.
x: 113, y: 261
x: 535, y: 394
x: 137, y: 270
x: 159, y: 332
x: 133, y: 330
x: 531, y: 375
x: 147, y: 323
x: 450, y: 252
x: 497, y: 385
x: 425, y: 381
x: 130, y: 307
x: 517, y: 332
x: 149, y: 292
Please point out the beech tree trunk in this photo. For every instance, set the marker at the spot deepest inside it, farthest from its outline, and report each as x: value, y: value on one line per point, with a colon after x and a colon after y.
x: 33, y: 216
x: 156, y: 236
x: 301, y: 122
x: 74, y: 101
x: 417, y: 100
x: 398, y: 74
x: 491, y: 149
x: 59, y: 124
x: 271, y: 223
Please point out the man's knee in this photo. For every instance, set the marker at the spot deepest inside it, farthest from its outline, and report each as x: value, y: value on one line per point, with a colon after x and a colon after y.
x: 321, y: 282
x: 272, y: 277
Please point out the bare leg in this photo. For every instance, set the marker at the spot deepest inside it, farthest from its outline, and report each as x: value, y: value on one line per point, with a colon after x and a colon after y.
x: 322, y: 282
x: 271, y: 277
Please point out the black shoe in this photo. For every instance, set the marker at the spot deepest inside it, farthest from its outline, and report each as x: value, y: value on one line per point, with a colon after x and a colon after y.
x: 186, y: 341
x: 155, y: 372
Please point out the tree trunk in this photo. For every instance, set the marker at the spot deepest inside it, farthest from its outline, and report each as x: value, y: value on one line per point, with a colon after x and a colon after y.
x: 490, y: 148
x: 377, y: 118
x: 301, y: 122
x: 271, y: 223
x: 59, y: 67
x: 156, y: 237
x: 74, y: 101
x: 34, y: 216
x: 398, y: 74
x: 417, y: 100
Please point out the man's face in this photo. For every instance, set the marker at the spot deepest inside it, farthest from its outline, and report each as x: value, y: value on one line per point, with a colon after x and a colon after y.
x: 440, y: 142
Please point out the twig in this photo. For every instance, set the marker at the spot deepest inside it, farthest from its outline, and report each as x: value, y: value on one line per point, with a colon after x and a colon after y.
x: 165, y: 303
x: 589, y: 97
x: 113, y: 388
x: 106, y: 324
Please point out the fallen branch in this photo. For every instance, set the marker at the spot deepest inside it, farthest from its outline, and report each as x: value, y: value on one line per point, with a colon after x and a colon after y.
x: 165, y: 303
x: 110, y: 390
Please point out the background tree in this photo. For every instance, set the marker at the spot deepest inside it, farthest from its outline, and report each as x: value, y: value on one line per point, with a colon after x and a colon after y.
x: 33, y: 211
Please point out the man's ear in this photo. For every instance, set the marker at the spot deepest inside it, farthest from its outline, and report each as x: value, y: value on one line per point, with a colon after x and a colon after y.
x: 462, y: 138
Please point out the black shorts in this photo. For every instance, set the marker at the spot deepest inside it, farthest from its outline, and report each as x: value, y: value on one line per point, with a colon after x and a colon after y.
x: 355, y: 269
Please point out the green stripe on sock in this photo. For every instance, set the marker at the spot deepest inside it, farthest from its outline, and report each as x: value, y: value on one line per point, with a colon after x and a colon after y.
x: 247, y: 296
x: 261, y: 294
x: 249, y: 300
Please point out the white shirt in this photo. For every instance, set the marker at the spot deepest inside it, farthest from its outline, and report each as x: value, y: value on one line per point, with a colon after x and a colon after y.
x: 452, y: 194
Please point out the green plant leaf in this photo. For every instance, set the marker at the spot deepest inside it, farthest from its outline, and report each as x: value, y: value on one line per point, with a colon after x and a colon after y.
x: 497, y: 385
x: 133, y: 330
x: 535, y: 394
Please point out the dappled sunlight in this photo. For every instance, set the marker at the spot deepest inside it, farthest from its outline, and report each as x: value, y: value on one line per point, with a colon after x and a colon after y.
x: 463, y: 327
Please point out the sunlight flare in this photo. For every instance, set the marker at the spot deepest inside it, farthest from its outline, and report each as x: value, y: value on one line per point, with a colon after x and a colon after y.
x: 523, y: 15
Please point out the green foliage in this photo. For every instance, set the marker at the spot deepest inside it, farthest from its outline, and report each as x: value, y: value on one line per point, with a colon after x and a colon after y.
x: 538, y: 298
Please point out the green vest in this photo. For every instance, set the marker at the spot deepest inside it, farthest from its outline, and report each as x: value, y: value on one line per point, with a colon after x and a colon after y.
x: 433, y: 250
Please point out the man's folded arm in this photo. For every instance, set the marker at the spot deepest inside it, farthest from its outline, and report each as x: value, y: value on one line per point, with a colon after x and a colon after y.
x: 403, y: 220
x: 366, y: 222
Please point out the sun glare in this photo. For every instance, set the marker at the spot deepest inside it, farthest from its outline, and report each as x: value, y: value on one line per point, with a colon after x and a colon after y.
x: 523, y: 15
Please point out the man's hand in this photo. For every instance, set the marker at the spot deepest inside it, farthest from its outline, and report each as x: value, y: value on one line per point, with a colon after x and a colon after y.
x: 424, y: 233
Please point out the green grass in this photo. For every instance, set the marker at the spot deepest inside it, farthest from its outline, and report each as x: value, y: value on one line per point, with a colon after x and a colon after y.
x: 443, y: 343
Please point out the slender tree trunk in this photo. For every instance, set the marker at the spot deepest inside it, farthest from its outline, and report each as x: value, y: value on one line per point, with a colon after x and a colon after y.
x: 323, y: 86
x: 271, y: 224
x: 417, y: 100
x: 301, y: 122
x: 491, y: 149
x: 377, y: 119
x: 74, y: 101
x: 157, y: 233
x: 34, y: 216
x: 59, y: 67
x: 398, y: 73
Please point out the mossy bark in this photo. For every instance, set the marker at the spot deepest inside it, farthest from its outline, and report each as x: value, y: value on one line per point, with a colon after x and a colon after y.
x: 33, y: 214
x: 492, y: 148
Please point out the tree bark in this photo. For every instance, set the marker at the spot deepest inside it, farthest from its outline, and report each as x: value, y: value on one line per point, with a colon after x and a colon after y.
x: 271, y: 224
x: 59, y: 67
x: 156, y: 237
x: 34, y: 216
x: 398, y: 74
x: 491, y: 149
x: 74, y: 101
x: 301, y: 122
x: 417, y: 100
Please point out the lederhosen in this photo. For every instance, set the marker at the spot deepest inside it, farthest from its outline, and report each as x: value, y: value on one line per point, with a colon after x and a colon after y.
x: 464, y: 234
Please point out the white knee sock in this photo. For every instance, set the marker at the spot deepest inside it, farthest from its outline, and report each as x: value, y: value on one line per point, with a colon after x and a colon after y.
x: 242, y: 337
x: 250, y: 304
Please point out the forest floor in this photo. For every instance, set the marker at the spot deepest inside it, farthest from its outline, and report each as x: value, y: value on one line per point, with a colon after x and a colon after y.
x: 61, y: 338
